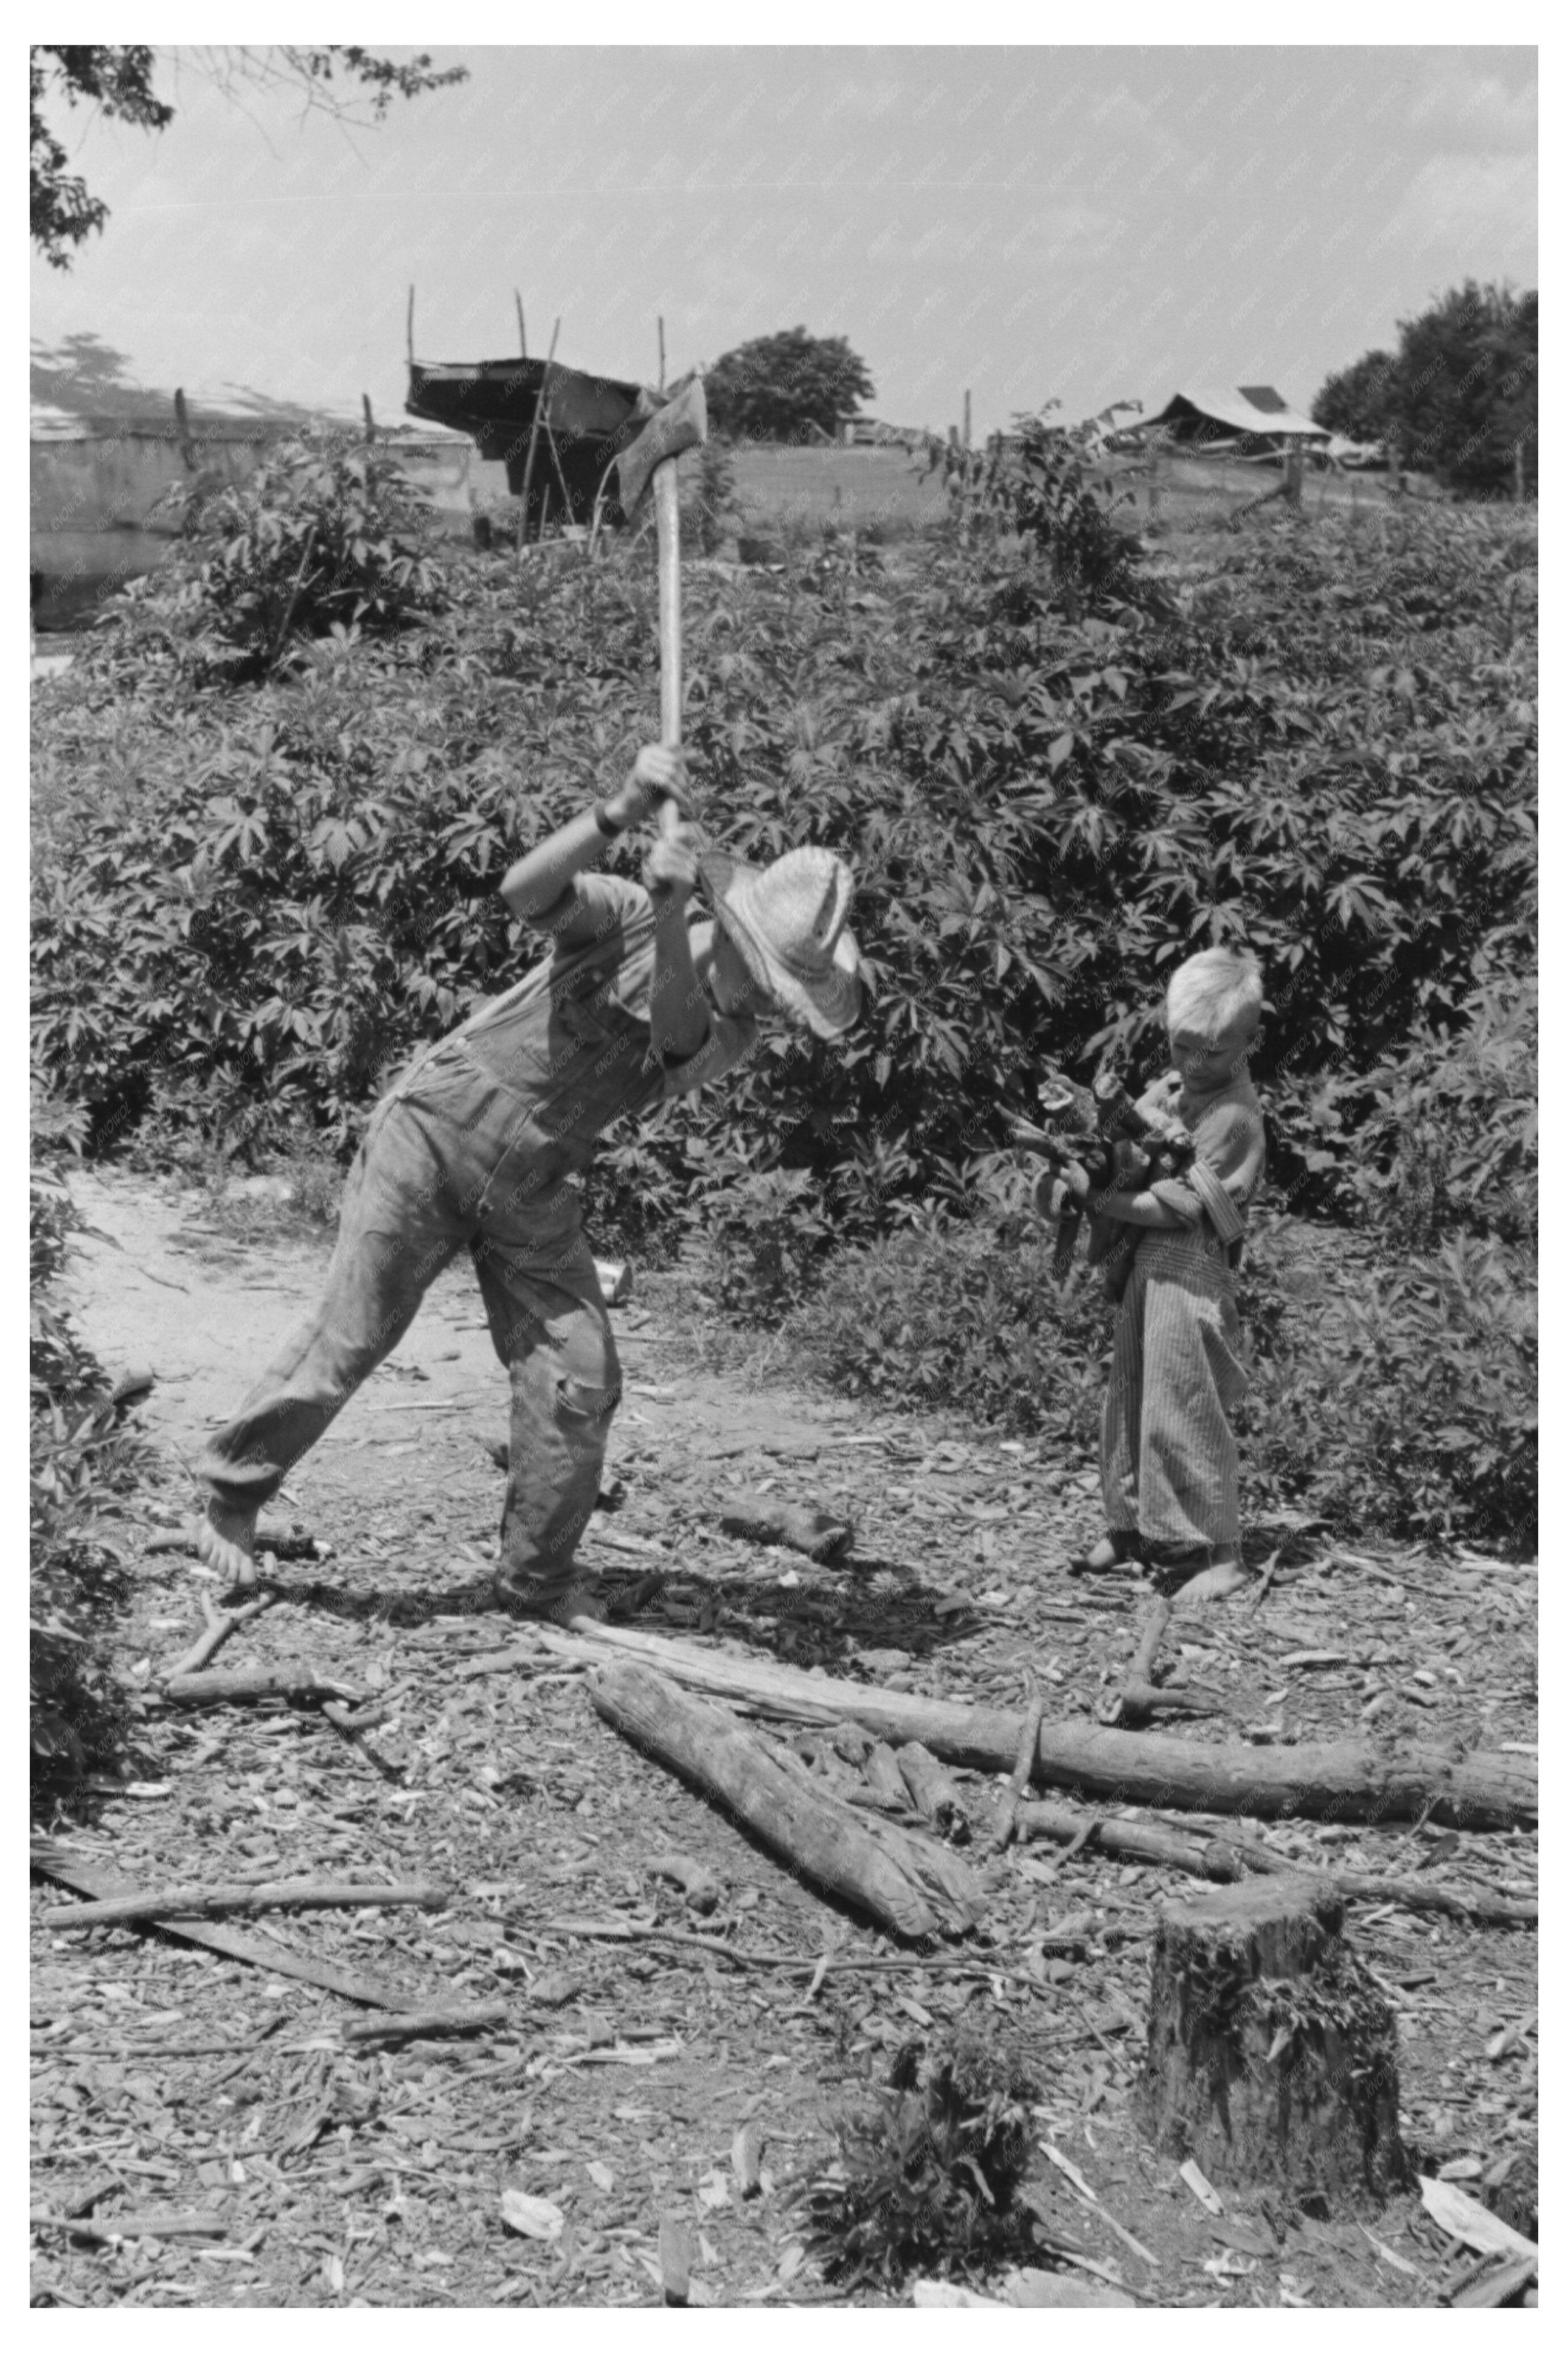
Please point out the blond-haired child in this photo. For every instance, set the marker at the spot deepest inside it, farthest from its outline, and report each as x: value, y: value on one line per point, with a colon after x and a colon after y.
x: 1168, y: 1459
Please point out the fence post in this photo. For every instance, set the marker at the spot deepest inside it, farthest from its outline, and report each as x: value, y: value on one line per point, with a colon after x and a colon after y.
x: 1294, y: 466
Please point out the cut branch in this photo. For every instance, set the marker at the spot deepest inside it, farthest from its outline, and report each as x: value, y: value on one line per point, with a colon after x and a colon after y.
x: 256, y: 1952
x: 1233, y: 1859
x: 214, y: 1686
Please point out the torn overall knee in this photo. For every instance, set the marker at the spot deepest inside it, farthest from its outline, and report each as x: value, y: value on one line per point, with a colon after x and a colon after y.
x: 582, y: 1401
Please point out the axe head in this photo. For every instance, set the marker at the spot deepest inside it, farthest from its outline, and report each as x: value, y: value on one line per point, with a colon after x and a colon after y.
x: 679, y: 425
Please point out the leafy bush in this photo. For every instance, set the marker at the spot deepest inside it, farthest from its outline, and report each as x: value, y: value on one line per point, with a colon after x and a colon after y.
x: 1049, y: 490
x: 710, y: 511
x: 964, y: 1316
x: 1450, y: 1144
x: 330, y: 536
x: 1328, y: 752
x: 78, y: 1465
x: 928, y: 2179
x: 1395, y: 1395
x: 1391, y: 1395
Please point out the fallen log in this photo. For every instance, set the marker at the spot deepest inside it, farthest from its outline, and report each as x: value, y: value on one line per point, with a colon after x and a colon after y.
x: 209, y: 1903
x: 57, y: 1862
x: 207, y: 1689
x: 1330, y: 1780
x: 1233, y: 1859
x: 904, y: 1881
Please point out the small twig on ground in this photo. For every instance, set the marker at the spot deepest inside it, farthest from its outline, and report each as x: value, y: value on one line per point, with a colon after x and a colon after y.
x: 220, y: 1625
x: 206, y: 1903
x: 132, y: 2226
x: 819, y: 1965
x: 1006, y: 1821
x: 474, y: 2020
x: 1267, y: 1579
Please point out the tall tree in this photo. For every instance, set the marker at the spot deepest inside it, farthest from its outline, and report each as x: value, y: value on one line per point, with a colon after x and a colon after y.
x: 777, y: 387
x: 118, y: 80
x: 1356, y: 402
x: 1459, y: 395
x: 1468, y: 386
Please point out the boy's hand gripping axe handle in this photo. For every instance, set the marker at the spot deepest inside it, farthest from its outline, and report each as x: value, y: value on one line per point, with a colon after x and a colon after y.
x: 680, y: 424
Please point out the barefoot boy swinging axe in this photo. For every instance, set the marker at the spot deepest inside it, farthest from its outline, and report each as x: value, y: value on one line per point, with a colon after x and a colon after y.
x: 483, y: 1142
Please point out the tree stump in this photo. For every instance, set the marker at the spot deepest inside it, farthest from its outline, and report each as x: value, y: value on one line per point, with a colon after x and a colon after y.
x: 1272, y: 2058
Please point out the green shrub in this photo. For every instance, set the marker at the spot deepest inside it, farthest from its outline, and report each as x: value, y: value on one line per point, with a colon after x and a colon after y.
x: 80, y: 1464
x: 1046, y: 488
x: 1395, y: 1395
x: 928, y: 2177
x: 243, y: 903
x: 1391, y: 1396
x: 710, y: 509
x: 1450, y: 1143
x: 966, y: 1318
x: 329, y: 536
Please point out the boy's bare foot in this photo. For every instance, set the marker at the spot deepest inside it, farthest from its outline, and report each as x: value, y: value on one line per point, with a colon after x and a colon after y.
x: 226, y: 1540
x: 1217, y: 1583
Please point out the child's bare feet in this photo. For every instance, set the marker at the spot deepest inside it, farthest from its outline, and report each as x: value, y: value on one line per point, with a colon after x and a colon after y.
x: 1222, y: 1578
x: 226, y: 1540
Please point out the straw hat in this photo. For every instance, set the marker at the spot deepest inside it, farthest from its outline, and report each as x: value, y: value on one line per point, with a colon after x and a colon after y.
x: 789, y: 921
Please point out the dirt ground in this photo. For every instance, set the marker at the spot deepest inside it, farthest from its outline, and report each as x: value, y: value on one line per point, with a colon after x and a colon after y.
x: 312, y: 2171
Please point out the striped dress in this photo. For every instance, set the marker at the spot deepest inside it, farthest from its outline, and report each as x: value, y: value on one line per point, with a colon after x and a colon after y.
x: 1168, y: 1462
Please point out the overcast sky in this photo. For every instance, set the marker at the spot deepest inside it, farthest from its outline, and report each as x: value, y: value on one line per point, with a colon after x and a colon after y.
x: 1090, y: 224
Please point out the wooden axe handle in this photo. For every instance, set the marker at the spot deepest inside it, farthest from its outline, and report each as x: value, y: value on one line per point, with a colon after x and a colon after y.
x: 667, y: 509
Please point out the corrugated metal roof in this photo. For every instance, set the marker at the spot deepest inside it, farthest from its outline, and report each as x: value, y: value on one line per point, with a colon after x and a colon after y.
x: 1237, y: 406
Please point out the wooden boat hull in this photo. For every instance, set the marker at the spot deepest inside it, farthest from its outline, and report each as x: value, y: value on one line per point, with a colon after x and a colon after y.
x: 587, y: 418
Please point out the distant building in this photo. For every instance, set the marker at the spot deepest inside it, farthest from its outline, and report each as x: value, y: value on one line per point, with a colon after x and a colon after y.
x: 1246, y: 420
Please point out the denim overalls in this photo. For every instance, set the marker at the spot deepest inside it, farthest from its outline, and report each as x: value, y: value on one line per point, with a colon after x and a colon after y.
x: 482, y: 1143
